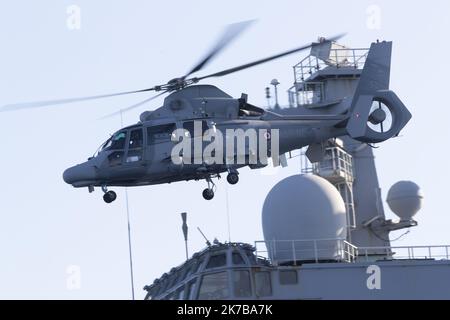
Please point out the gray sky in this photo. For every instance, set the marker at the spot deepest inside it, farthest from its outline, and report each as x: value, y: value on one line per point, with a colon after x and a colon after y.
x: 47, y: 226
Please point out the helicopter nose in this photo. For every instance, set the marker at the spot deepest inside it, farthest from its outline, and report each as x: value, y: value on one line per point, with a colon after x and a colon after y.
x: 81, y: 175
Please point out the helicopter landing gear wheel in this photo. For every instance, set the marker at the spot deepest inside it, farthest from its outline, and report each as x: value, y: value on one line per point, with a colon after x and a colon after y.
x: 208, y: 194
x: 109, y: 196
x: 233, y: 178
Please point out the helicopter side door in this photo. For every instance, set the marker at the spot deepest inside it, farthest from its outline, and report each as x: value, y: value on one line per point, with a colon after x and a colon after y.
x: 159, y: 147
x: 135, y: 149
x: 128, y: 158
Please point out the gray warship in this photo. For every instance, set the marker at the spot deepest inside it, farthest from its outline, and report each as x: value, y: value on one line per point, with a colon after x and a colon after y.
x: 325, y: 231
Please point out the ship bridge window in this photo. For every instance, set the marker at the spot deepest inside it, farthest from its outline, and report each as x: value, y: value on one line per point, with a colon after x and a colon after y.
x: 198, y: 266
x: 157, y: 291
x: 214, y: 286
x: 216, y: 261
x: 171, y: 281
x: 237, y: 258
x: 193, y: 269
x: 171, y: 296
x: 185, y: 272
x: 242, y: 284
x: 288, y: 277
x: 263, y: 286
x: 251, y: 257
x: 180, y: 294
x: 190, y: 290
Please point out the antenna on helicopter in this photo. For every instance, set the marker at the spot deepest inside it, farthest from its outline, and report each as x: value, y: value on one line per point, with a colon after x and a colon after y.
x: 208, y: 243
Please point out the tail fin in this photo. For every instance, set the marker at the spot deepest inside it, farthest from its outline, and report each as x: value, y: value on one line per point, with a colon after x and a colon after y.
x: 374, y: 86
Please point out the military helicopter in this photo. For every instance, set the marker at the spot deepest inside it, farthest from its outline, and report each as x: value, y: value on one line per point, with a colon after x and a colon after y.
x: 140, y: 154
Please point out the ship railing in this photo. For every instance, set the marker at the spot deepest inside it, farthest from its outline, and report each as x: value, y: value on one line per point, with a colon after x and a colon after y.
x: 343, y: 57
x: 440, y: 252
x: 287, y: 252
x: 336, y: 163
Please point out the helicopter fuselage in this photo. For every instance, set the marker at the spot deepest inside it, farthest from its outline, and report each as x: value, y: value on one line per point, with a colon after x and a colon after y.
x: 144, y: 156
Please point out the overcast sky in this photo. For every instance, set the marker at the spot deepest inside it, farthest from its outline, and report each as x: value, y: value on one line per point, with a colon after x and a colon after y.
x: 50, y: 231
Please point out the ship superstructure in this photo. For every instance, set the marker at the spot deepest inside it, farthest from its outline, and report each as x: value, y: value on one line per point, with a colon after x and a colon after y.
x: 326, y: 234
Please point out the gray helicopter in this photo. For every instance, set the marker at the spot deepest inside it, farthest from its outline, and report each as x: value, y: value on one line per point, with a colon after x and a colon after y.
x: 142, y: 154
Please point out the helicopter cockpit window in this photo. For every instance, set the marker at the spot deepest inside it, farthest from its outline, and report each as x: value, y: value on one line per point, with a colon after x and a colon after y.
x: 115, y: 158
x: 135, y: 146
x: 116, y: 142
x: 160, y: 133
x: 136, y: 140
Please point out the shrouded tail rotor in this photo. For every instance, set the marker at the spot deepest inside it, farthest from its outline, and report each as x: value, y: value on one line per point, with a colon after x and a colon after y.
x: 377, y: 113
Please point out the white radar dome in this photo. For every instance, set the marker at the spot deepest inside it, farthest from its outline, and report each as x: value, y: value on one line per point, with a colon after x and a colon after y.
x: 303, y: 217
x: 405, y: 199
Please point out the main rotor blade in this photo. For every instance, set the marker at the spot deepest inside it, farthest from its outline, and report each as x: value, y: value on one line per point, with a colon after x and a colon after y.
x: 38, y: 104
x: 133, y: 106
x: 255, y: 63
x: 230, y: 33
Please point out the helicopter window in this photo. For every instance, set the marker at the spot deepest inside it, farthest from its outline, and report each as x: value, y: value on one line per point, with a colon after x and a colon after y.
x: 214, y: 286
x: 106, y: 144
x: 160, y: 133
x: 115, y: 158
x: 135, y: 146
x: 136, y: 139
x: 117, y: 142
x: 189, y: 126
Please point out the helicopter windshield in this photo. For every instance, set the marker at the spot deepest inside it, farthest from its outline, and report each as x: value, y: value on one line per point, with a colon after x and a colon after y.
x: 116, y: 142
